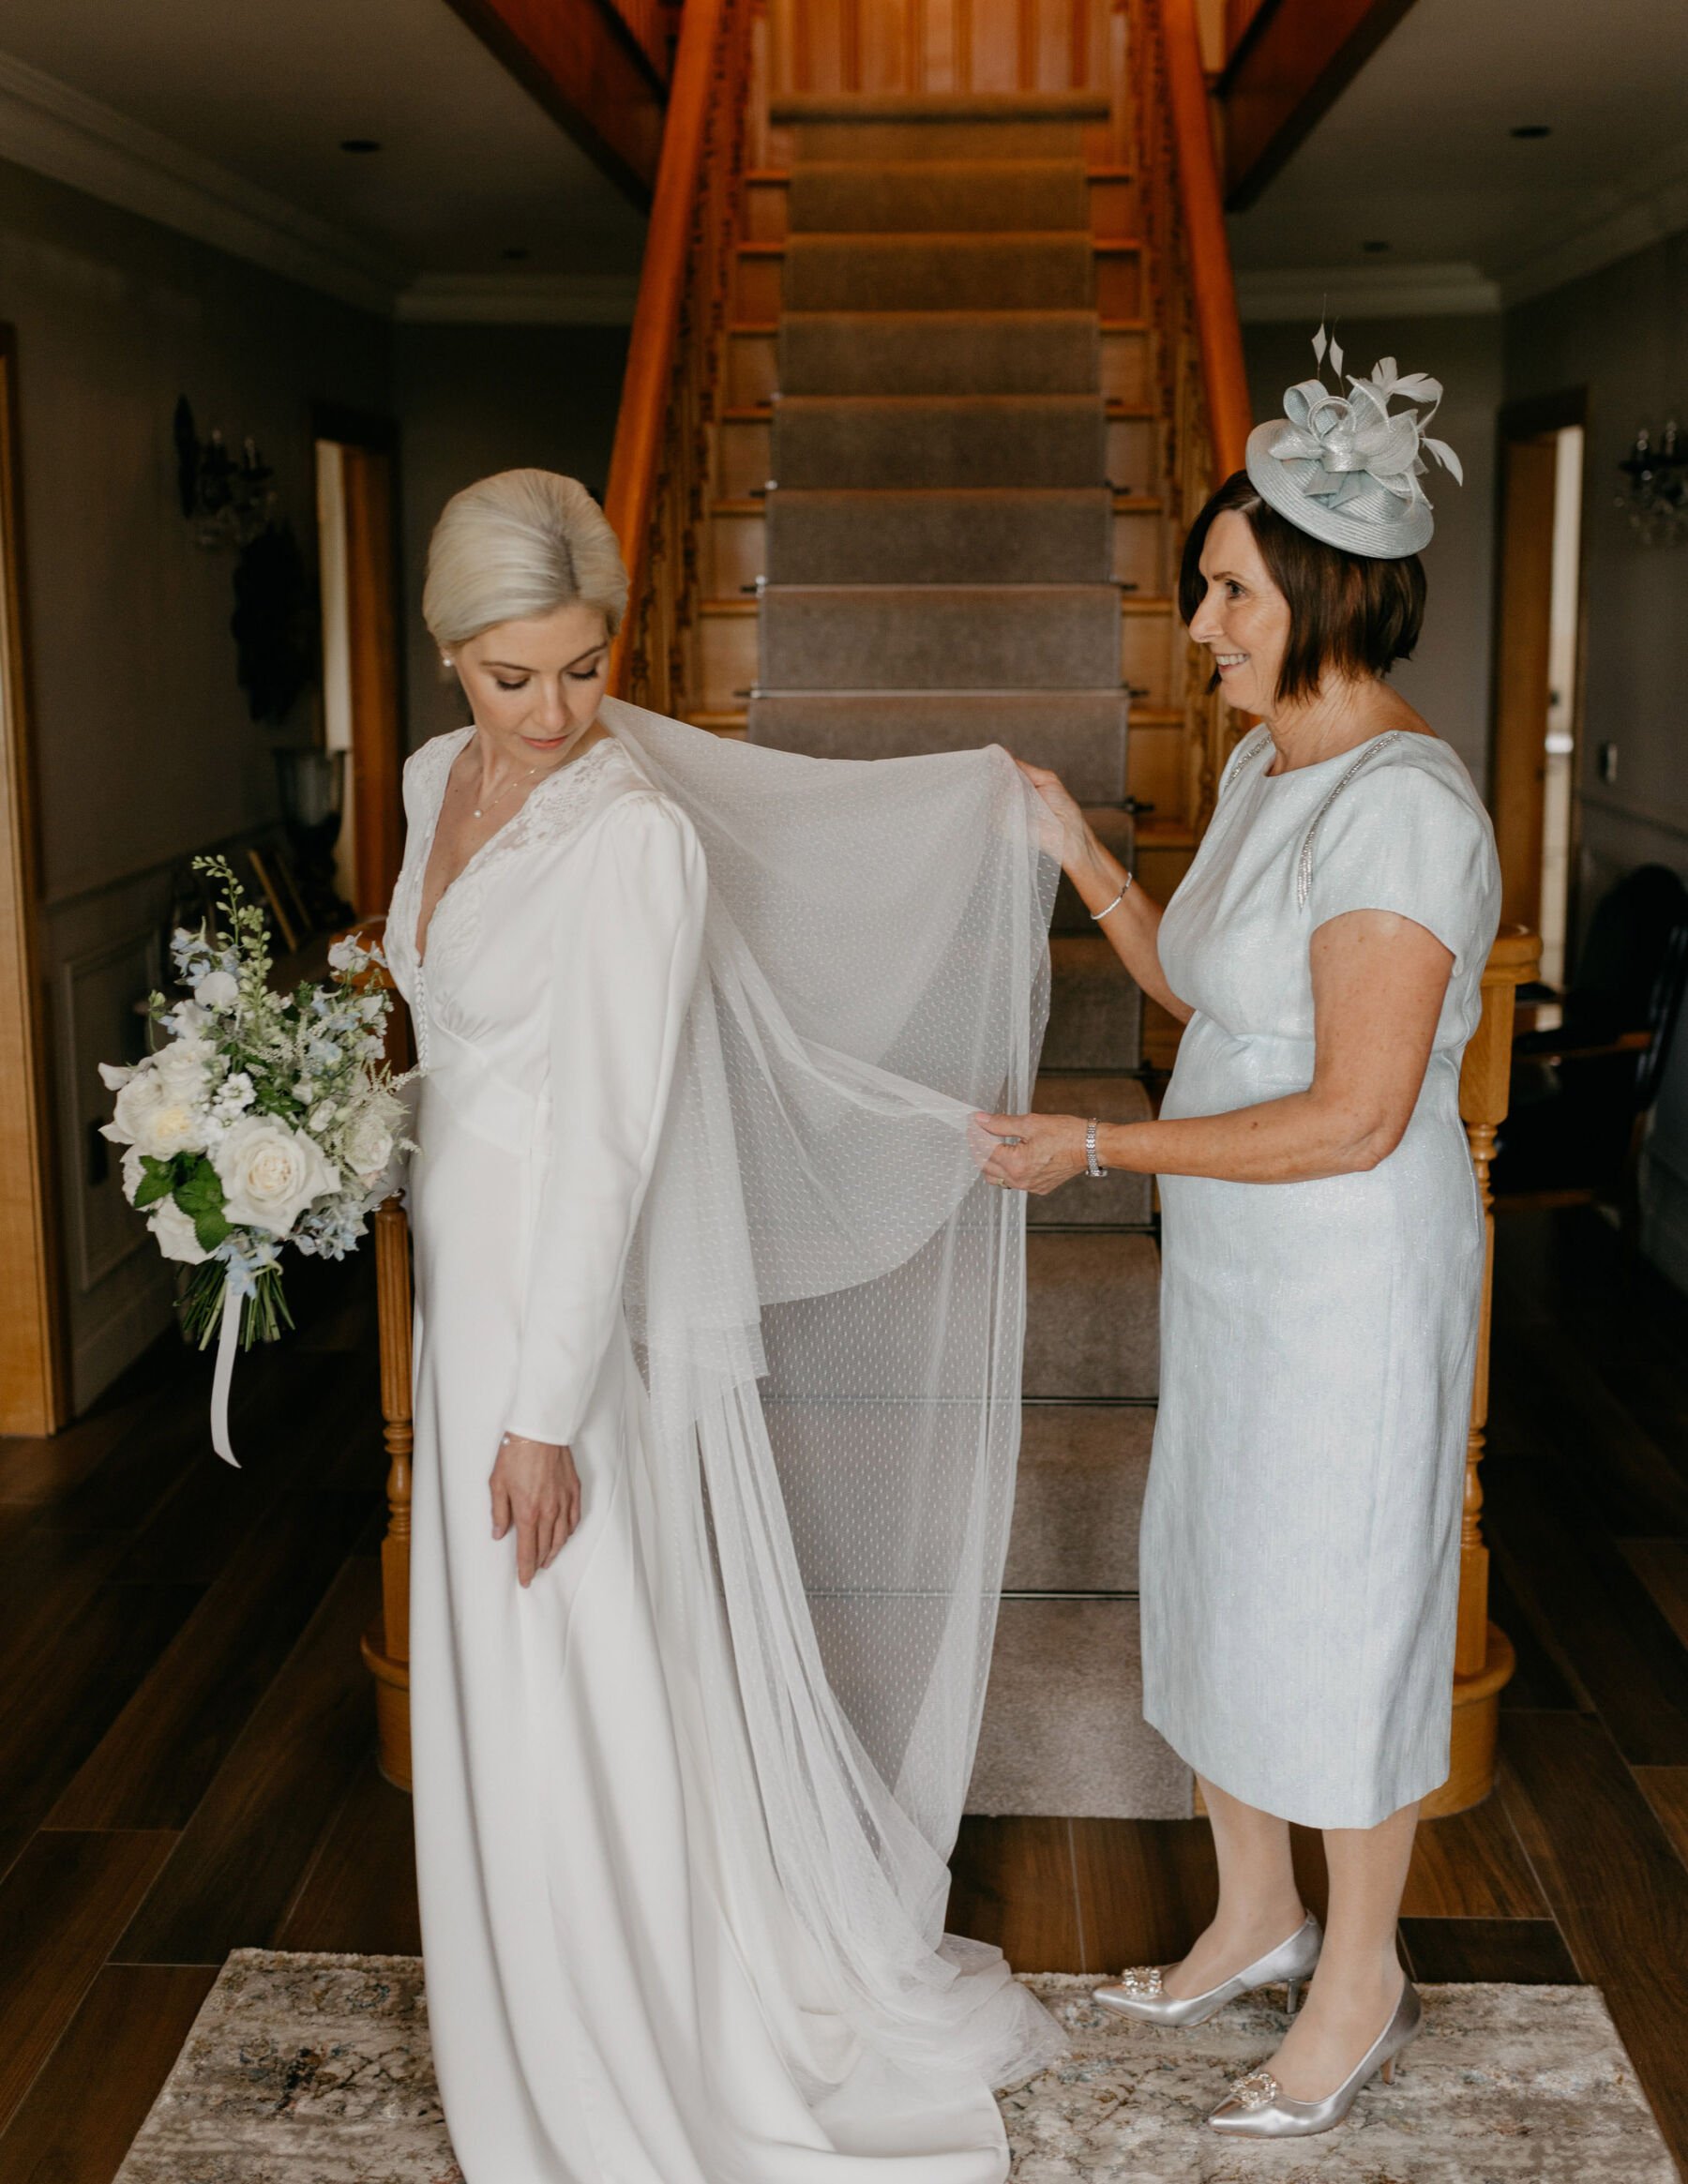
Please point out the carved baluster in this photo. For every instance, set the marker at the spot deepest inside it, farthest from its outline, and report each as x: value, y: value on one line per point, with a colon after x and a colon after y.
x: 1483, y: 1660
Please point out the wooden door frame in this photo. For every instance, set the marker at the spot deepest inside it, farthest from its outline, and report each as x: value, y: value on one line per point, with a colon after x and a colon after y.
x: 375, y: 635
x: 35, y: 1382
x: 1526, y: 424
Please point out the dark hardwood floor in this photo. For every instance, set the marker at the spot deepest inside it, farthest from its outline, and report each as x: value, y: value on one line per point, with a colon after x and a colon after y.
x: 186, y: 1729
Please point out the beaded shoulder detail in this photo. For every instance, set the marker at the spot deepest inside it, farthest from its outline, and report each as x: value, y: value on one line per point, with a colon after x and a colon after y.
x: 1253, y: 744
x: 554, y: 809
x: 1304, y: 866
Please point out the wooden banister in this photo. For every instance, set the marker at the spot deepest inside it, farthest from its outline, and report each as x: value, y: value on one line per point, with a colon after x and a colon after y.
x: 659, y: 464
x: 1219, y: 329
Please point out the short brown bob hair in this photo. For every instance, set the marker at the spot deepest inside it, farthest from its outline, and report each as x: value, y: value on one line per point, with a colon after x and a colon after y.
x: 1347, y: 611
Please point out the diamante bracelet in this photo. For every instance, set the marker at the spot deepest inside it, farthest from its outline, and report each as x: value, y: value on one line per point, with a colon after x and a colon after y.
x: 1097, y: 915
x: 1091, y: 1166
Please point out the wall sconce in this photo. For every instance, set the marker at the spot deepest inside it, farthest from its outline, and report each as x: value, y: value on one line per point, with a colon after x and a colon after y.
x: 1656, y: 498
x: 226, y: 497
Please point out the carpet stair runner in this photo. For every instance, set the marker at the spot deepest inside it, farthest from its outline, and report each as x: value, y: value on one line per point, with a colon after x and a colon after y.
x: 939, y: 573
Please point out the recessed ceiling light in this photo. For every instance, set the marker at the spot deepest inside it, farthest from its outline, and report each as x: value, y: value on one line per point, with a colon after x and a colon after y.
x: 1533, y: 128
x: 1373, y: 247
x: 359, y: 144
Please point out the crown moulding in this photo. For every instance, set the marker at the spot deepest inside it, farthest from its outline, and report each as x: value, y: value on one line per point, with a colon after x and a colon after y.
x: 59, y: 132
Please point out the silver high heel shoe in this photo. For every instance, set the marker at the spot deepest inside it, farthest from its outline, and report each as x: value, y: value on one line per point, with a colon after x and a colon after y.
x: 1258, y: 2106
x: 1290, y: 1965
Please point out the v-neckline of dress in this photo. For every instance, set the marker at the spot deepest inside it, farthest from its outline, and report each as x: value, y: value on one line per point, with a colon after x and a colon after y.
x: 422, y: 934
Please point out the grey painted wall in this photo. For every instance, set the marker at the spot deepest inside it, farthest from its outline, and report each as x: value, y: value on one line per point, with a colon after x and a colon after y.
x: 475, y: 400
x: 1622, y: 333
x: 146, y: 750
x: 1449, y: 678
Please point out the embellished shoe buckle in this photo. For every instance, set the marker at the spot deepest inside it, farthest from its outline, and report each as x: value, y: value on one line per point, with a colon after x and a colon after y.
x: 1142, y: 1982
x: 1259, y: 2089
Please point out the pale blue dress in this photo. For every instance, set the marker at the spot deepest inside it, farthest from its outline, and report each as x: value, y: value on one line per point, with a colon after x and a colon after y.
x: 1301, y: 1532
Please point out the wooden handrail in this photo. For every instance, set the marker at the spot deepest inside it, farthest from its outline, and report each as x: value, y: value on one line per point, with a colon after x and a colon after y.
x: 1218, y: 327
x: 642, y: 420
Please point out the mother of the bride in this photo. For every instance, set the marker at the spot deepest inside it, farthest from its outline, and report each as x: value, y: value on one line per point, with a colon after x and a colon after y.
x: 1323, y: 1238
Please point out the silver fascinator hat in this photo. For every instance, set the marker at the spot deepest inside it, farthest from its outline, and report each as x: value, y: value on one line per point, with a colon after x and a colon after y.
x: 1341, y: 468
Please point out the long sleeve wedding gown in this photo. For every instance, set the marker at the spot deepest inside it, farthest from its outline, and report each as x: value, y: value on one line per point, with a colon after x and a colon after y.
x: 635, y: 1973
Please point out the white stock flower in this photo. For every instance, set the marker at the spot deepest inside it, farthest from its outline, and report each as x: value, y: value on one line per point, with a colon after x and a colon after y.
x: 217, y: 990
x: 174, y: 1234
x: 270, y: 1174
x: 158, y: 1110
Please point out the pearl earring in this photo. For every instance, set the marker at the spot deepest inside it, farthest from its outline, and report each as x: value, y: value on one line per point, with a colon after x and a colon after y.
x: 445, y: 660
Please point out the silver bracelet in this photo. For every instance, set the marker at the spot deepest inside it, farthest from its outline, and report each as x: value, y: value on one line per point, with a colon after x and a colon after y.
x: 1091, y: 1166
x: 1097, y: 915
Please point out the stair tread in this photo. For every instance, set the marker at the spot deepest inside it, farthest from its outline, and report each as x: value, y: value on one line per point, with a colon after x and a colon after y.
x: 1092, y: 1315
x: 1064, y: 1731
x: 1078, y: 1498
x: 800, y: 106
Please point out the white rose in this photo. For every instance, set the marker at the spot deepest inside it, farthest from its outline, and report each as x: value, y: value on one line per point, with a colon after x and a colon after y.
x: 175, y: 1235
x: 156, y: 1111
x: 217, y: 990
x: 366, y: 1144
x: 133, y: 1172
x: 270, y: 1174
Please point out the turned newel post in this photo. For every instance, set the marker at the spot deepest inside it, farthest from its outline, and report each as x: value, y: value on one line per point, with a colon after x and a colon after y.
x: 1482, y: 1659
x: 386, y: 1642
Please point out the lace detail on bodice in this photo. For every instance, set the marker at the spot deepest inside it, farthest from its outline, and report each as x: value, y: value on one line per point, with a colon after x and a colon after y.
x: 554, y: 809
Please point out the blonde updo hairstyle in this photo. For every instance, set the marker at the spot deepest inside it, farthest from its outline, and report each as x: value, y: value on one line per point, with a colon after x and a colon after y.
x: 516, y: 545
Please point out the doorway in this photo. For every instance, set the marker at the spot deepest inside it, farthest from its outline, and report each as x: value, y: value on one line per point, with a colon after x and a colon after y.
x: 357, y: 466
x: 34, y: 1384
x: 1538, y: 710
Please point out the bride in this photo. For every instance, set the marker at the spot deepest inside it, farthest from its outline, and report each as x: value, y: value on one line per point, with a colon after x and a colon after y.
x: 717, y: 1406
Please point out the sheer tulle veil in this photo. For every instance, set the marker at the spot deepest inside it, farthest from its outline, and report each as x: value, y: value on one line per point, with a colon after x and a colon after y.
x: 828, y: 1304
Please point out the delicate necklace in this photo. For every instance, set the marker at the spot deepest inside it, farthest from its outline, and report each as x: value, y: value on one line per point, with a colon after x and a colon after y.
x: 498, y: 792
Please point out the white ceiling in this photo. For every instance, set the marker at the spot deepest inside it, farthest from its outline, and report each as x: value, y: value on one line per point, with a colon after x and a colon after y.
x: 244, y: 107
x: 1418, y: 153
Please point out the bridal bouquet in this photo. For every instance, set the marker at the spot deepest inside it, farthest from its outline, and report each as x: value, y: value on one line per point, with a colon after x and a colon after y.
x: 263, y: 1119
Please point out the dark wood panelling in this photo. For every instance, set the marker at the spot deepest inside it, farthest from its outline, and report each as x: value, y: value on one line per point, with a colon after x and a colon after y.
x: 50, y: 1719
x: 62, y: 1905
x: 1526, y: 1953
x: 359, y: 1895
x: 1470, y: 1866
x: 1665, y: 1789
x: 1572, y: 1582
x: 1298, y: 57
x: 1013, y: 1885
x: 120, y: 2047
x: 239, y: 1860
x: 1614, y: 1884
x: 1147, y: 1888
x: 157, y: 1760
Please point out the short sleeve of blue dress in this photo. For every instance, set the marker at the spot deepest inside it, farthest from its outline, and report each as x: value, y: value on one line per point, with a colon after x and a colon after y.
x: 1408, y: 834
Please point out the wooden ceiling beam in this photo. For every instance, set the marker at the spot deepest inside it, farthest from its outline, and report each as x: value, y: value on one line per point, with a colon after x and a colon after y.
x: 581, y: 63
x: 1293, y: 59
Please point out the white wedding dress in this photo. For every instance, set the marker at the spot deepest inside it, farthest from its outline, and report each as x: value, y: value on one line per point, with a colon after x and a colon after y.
x: 683, y: 1806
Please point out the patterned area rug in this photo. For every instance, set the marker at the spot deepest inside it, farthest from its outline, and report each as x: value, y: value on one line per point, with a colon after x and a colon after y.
x: 315, y: 2070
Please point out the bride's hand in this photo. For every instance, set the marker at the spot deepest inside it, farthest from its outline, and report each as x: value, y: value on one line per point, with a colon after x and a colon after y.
x: 1064, y: 831
x: 536, y: 1488
x: 1049, y: 1151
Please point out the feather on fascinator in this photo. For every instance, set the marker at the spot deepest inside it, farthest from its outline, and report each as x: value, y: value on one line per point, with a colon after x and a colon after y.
x: 1342, y: 468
